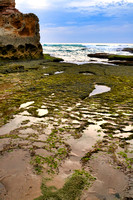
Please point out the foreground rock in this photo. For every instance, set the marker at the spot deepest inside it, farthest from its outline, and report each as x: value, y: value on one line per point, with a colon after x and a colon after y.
x: 19, y: 33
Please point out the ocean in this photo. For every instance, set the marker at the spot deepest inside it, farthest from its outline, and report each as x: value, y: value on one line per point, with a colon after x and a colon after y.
x: 77, y: 52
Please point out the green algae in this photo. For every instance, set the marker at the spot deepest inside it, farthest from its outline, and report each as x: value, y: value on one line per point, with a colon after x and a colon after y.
x: 71, y: 190
x: 60, y: 92
x: 59, y: 150
x: 120, y: 57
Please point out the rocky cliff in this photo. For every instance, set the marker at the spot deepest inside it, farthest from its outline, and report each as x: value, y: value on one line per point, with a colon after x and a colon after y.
x: 19, y: 33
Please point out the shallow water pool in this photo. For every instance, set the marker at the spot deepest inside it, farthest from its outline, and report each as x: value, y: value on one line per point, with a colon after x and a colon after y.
x: 100, y: 89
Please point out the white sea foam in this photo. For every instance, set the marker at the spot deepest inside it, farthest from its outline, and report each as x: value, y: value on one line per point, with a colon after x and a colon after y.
x: 77, y: 52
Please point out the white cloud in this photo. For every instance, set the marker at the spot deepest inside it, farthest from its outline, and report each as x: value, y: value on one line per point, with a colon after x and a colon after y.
x: 93, y: 3
x: 84, y: 4
x: 70, y: 4
x: 40, y: 4
x: 106, y: 7
x: 129, y: 1
x: 33, y: 4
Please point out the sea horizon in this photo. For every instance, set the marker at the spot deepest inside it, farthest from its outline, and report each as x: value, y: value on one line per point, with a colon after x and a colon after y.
x: 95, y: 43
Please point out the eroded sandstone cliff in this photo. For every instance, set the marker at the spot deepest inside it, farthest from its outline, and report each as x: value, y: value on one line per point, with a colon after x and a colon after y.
x: 19, y: 33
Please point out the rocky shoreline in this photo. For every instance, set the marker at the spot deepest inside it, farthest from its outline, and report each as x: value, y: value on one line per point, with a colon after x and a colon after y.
x: 66, y: 130
x: 115, y: 59
x: 52, y: 129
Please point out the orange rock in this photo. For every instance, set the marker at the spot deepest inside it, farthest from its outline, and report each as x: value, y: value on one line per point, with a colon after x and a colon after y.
x: 19, y: 33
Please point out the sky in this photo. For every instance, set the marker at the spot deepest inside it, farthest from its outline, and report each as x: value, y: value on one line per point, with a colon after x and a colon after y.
x: 82, y: 21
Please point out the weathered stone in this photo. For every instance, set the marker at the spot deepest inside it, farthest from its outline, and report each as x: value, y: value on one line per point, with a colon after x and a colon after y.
x: 116, y: 62
x: 98, y: 55
x: 7, y: 6
x: 112, y: 56
x: 128, y: 49
x: 19, y: 33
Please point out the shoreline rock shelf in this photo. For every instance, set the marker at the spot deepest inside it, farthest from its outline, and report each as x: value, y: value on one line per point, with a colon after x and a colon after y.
x: 50, y: 127
x: 19, y: 33
x: 113, y: 58
x: 130, y: 50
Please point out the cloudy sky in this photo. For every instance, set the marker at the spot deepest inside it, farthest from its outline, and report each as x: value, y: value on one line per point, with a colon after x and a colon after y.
x: 88, y: 21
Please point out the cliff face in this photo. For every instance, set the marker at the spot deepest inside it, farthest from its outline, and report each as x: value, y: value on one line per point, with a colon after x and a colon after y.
x: 19, y: 33
x: 7, y: 6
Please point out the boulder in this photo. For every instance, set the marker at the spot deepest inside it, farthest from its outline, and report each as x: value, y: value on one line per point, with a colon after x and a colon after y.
x: 112, y: 56
x: 120, y: 57
x: 128, y: 49
x: 98, y: 55
x: 19, y: 33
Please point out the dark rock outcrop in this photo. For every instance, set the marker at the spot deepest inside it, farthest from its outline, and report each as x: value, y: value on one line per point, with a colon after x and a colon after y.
x: 19, y: 33
x: 123, y: 62
x: 112, y: 56
x: 128, y: 49
x: 98, y: 55
x: 114, y: 59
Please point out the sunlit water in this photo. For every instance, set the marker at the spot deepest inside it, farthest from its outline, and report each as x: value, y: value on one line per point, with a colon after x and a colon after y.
x: 77, y: 53
x: 99, y: 89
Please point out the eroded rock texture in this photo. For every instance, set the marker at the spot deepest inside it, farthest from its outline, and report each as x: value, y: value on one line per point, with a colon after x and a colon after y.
x: 19, y: 33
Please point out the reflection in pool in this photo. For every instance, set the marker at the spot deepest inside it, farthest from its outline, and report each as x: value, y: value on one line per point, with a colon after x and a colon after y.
x: 100, y: 89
